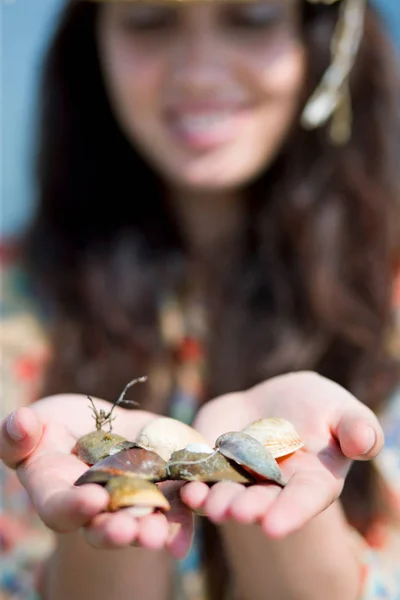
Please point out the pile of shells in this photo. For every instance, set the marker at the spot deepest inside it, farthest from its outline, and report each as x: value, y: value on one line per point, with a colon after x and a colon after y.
x: 167, y: 449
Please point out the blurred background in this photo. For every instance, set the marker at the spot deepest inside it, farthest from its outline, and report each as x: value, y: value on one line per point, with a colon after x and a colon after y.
x: 24, y: 30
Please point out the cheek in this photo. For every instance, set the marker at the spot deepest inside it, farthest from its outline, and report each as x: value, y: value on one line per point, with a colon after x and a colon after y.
x: 133, y: 81
x: 279, y: 82
x: 280, y: 79
x: 284, y: 79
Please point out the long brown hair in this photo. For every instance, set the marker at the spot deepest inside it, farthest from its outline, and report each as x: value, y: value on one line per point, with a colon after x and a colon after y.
x: 312, y: 286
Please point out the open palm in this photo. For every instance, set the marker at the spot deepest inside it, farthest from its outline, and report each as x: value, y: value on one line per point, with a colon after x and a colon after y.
x: 42, y: 456
x: 336, y: 429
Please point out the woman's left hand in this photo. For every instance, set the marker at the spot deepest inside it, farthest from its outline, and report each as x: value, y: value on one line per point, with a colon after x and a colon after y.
x: 335, y: 427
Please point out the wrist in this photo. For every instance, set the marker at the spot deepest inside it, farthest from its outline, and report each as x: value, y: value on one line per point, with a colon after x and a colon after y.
x: 319, y: 560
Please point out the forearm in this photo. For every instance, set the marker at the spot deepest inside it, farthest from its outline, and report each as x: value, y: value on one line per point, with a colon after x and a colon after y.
x: 317, y: 562
x: 78, y: 571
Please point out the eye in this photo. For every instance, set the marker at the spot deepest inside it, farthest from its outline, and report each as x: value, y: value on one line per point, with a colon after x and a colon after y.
x: 257, y: 15
x: 138, y: 18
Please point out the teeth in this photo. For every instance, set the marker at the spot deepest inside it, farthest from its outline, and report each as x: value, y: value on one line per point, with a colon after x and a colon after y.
x: 200, y: 123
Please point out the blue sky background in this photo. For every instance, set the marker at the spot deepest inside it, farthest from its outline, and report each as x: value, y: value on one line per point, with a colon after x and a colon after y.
x: 24, y: 28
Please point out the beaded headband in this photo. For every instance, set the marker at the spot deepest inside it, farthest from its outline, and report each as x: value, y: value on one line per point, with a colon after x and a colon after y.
x: 331, y: 99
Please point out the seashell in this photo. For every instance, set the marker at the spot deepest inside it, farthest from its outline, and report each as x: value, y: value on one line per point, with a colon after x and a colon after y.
x: 251, y: 454
x: 198, y: 447
x: 134, y: 463
x: 276, y: 434
x: 205, y: 466
x: 94, y: 446
x: 165, y: 435
x: 141, y: 496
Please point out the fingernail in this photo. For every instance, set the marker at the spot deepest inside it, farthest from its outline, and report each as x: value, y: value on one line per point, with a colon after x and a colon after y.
x: 14, y: 429
x: 371, y: 440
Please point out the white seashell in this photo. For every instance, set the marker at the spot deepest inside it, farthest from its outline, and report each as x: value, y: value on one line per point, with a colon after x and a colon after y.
x: 166, y: 435
x: 277, y: 434
x: 199, y: 448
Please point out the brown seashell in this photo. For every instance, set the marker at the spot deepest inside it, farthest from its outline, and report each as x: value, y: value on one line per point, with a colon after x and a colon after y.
x: 251, y: 454
x: 135, y: 463
x: 94, y: 446
x: 138, y: 493
x: 165, y: 436
x: 276, y: 434
x: 204, y: 466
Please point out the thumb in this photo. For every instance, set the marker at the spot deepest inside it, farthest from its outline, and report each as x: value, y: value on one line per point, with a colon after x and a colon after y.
x: 360, y: 435
x: 20, y: 434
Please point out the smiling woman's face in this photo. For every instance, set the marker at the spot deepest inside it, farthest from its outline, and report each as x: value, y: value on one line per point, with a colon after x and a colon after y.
x: 206, y: 91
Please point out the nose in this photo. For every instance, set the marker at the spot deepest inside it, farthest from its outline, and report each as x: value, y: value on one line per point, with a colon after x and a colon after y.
x: 200, y: 60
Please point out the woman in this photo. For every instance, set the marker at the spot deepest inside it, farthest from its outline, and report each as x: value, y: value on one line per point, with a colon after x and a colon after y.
x: 218, y: 209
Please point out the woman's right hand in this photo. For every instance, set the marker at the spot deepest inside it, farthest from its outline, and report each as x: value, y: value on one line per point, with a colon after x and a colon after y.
x: 37, y: 442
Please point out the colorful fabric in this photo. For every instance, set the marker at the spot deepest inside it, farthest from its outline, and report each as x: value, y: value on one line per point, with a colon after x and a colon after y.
x: 382, y: 556
x: 24, y: 540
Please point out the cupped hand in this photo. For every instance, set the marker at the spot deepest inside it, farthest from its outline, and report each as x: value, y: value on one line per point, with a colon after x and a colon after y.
x: 336, y: 429
x: 37, y: 442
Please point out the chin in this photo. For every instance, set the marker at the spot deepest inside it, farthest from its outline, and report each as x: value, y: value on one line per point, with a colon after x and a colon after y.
x: 215, y: 177
x: 211, y: 186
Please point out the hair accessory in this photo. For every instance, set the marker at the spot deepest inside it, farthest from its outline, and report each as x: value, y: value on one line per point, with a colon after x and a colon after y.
x: 332, y: 99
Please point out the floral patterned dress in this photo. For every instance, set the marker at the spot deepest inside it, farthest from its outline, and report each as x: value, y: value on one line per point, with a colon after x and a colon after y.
x: 25, y: 542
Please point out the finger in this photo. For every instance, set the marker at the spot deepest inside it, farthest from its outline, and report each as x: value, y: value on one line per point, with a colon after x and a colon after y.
x: 252, y: 503
x: 219, y: 500
x: 109, y: 531
x: 180, y: 520
x: 305, y: 496
x: 20, y: 434
x: 153, y: 531
x: 360, y: 437
x: 194, y: 494
x: 180, y: 534
x: 68, y: 509
x: 49, y: 480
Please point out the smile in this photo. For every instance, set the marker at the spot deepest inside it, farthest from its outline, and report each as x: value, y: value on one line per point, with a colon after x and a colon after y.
x: 206, y: 129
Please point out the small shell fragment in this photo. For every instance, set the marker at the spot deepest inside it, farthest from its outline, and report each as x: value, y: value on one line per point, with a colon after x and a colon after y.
x: 276, y: 434
x: 251, y: 454
x: 203, y: 466
x: 197, y: 447
x: 140, y: 494
x: 94, y: 446
x: 134, y: 463
x: 165, y: 435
